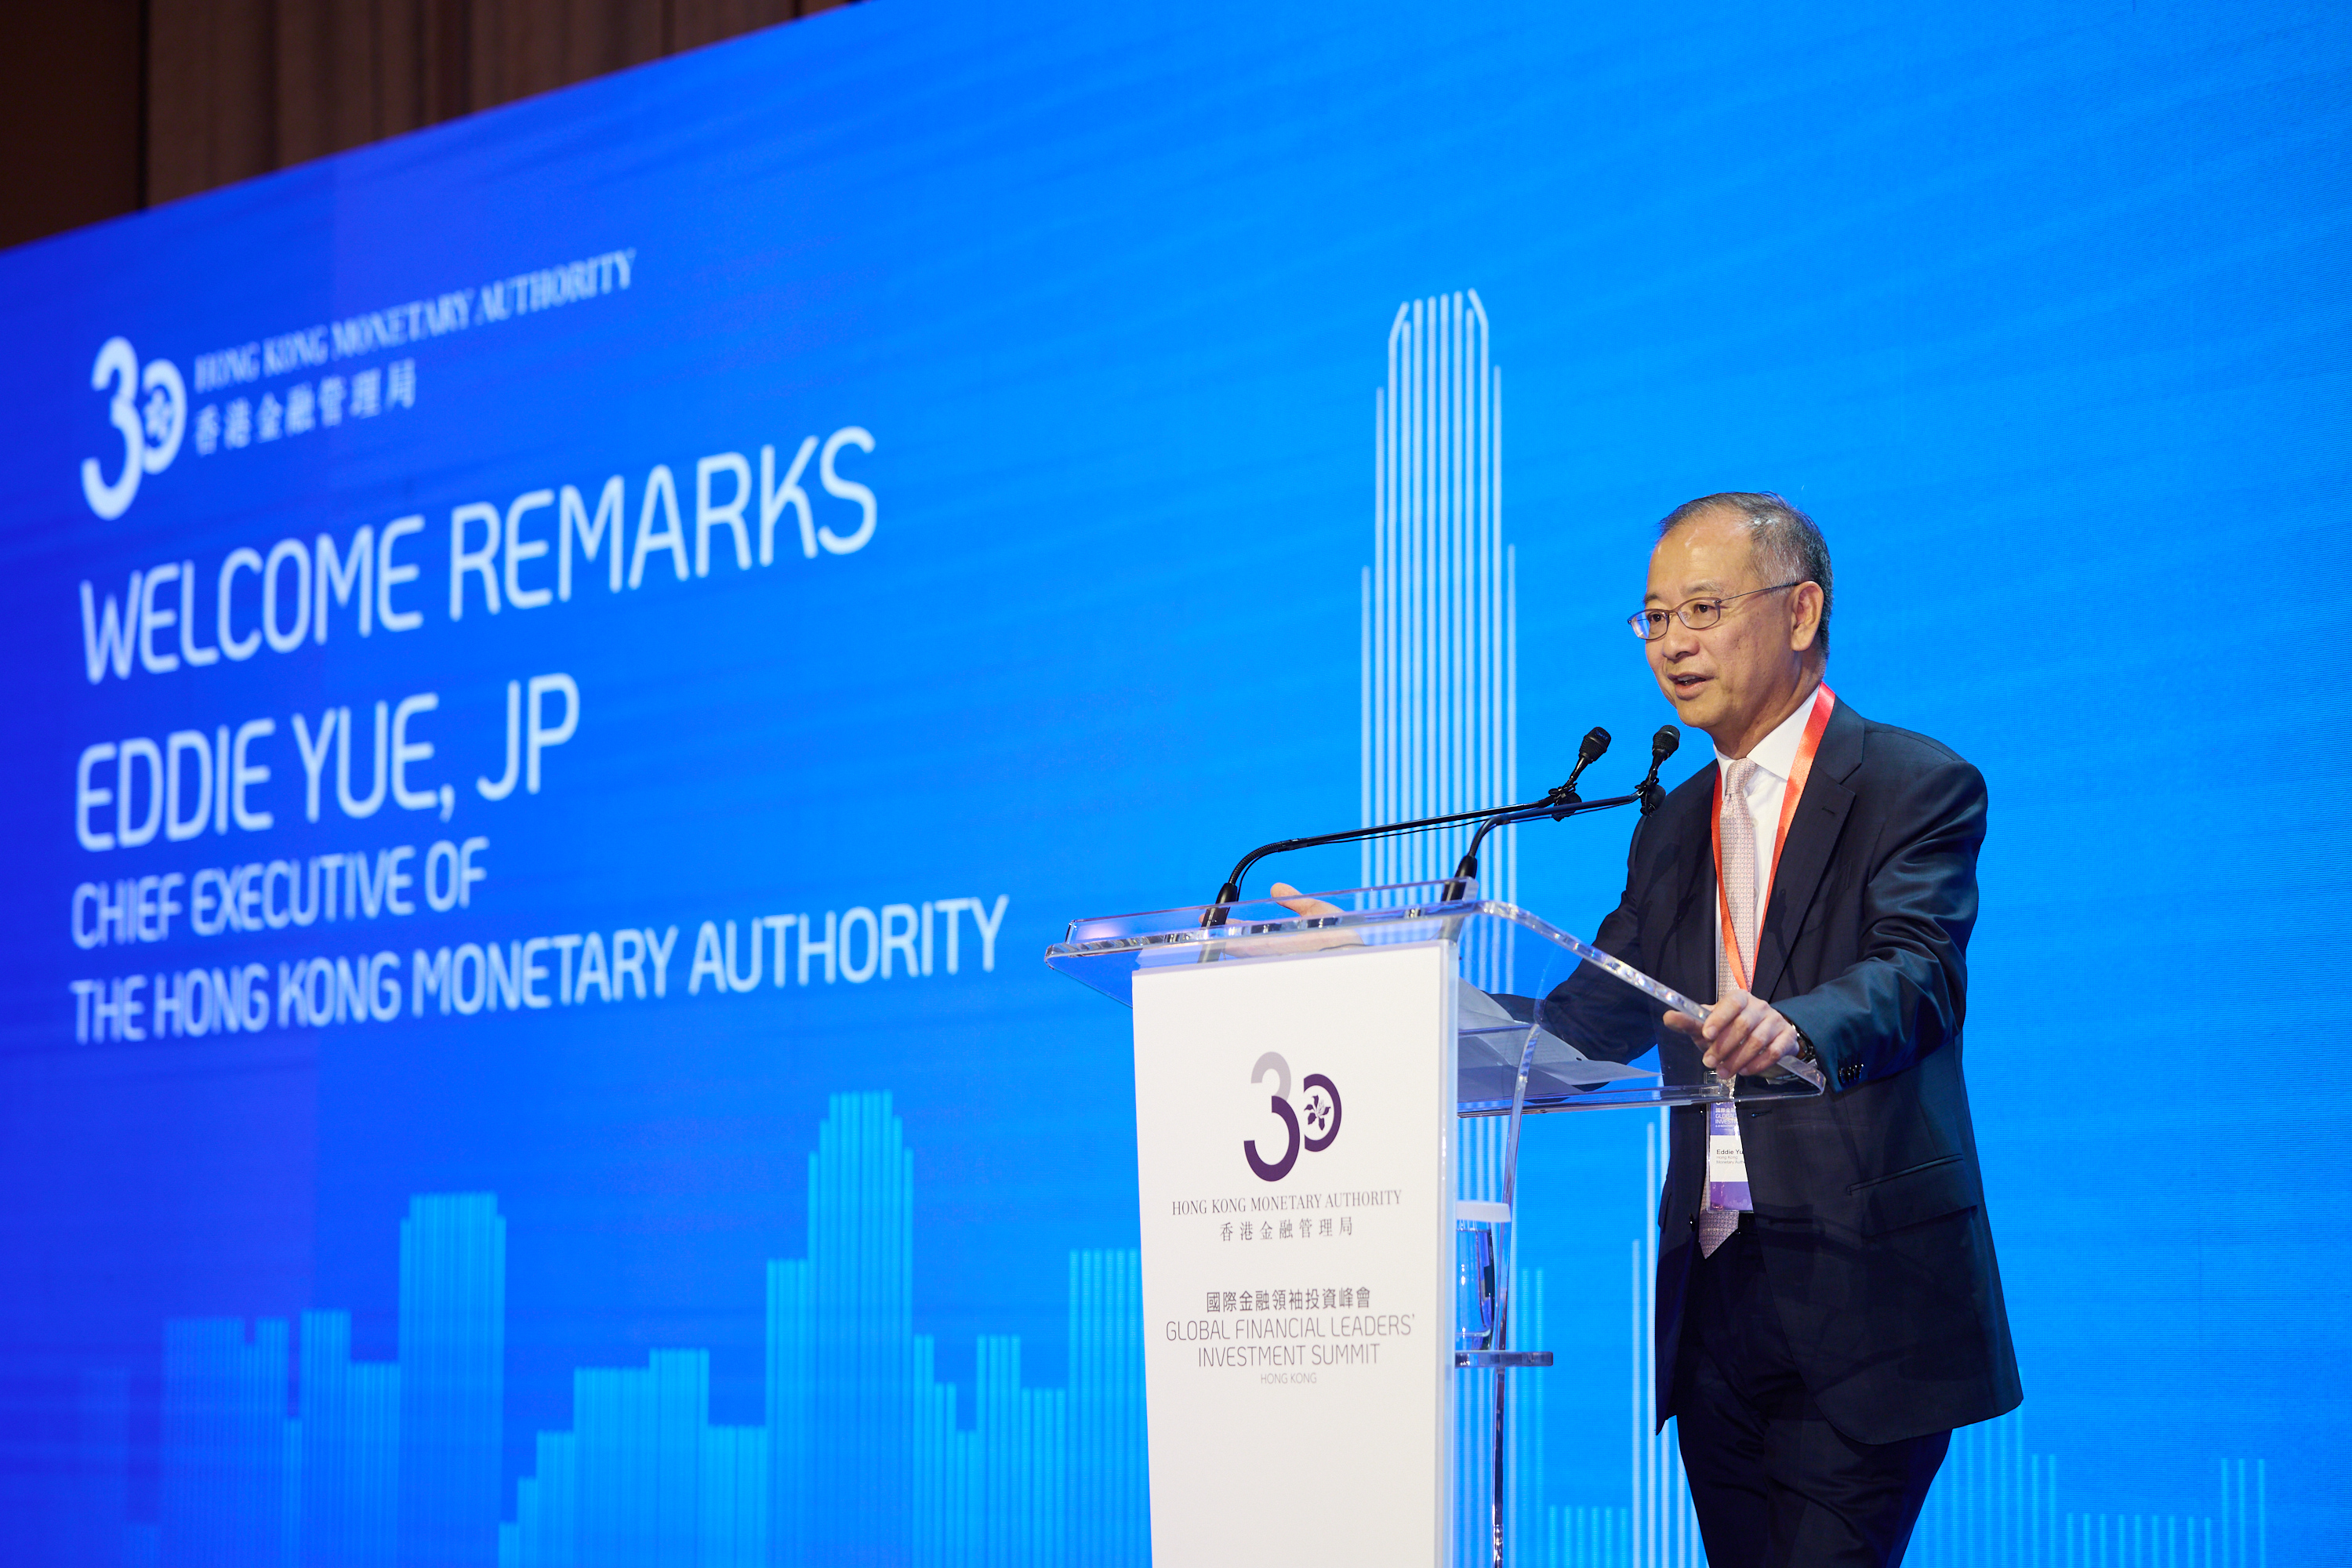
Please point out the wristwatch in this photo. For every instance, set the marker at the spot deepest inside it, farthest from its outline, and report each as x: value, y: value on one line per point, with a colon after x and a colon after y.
x: 1805, y: 1050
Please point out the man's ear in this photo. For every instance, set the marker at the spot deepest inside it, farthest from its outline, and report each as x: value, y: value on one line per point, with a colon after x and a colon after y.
x: 1804, y: 616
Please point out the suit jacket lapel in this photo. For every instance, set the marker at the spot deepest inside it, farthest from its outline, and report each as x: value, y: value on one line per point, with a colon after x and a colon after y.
x: 1812, y: 837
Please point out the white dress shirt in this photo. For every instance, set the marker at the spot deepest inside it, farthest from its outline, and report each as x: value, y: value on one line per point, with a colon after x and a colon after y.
x: 1775, y: 757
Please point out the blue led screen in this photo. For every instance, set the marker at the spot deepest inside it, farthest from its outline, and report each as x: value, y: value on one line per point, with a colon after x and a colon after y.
x: 567, y: 667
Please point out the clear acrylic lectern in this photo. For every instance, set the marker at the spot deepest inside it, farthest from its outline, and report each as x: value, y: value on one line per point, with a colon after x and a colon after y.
x: 1541, y: 1021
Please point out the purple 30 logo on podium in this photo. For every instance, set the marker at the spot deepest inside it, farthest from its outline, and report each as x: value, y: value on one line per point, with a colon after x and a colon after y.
x: 1312, y: 1125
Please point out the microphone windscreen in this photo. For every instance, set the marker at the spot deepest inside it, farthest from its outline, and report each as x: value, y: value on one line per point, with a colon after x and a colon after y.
x: 1663, y: 744
x: 1596, y: 741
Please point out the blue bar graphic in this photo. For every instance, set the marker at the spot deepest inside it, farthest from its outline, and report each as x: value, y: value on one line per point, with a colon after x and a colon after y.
x: 277, y: 1448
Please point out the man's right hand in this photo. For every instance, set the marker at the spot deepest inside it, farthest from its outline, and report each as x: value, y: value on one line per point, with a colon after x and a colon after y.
x: 1741, y: 1036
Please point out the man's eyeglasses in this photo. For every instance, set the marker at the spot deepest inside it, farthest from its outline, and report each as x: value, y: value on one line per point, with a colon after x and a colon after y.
x: 1698, y: 614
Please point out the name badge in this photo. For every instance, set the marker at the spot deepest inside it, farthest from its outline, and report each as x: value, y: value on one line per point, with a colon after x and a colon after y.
x: 1726, y: 1162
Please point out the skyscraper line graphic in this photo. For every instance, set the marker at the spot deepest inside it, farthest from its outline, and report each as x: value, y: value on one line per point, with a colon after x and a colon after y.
x: 1439, y: 692
x: 453, y: 1277
x: 860, y: 1459
x: 281, y: 1450
x: 258, y: 1468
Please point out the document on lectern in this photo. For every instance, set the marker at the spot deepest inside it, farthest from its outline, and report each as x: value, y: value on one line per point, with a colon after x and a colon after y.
x: 1294, y: 1126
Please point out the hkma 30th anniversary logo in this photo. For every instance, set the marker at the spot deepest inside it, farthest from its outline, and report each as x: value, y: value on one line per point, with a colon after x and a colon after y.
x: 148, y: 404
x: 1311, y: 1125
x: 148, y: 408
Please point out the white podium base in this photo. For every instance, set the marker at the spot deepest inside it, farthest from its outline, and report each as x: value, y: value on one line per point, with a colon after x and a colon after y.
x: 1294, y: 1130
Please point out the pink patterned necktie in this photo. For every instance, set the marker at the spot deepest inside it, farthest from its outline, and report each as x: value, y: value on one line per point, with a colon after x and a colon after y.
x: 1739, y: 874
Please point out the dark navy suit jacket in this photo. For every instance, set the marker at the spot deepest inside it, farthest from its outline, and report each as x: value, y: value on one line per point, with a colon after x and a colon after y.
x: 1869, y: 1206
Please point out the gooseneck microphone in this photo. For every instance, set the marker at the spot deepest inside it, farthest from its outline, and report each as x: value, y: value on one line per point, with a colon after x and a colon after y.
x: 1559, y: 804
x: 1663, y: 745
x: 1588, y: 751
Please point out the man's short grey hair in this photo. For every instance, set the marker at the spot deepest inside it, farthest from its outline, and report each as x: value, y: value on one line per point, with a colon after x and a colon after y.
x: 1788, y: 545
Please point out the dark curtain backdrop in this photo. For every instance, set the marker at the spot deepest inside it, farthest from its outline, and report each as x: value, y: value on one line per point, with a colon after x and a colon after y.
x: 107, y: 106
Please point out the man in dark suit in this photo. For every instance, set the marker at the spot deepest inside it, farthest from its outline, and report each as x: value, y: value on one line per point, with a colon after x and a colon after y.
x: 1817, y: 1343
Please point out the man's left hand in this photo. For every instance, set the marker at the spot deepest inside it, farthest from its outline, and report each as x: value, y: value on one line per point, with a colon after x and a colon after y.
x: 1741, y: 1036
x: 1299, y: 903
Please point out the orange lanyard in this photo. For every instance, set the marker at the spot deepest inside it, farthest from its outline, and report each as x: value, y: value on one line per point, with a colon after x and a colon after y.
x: 1824, y: 700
